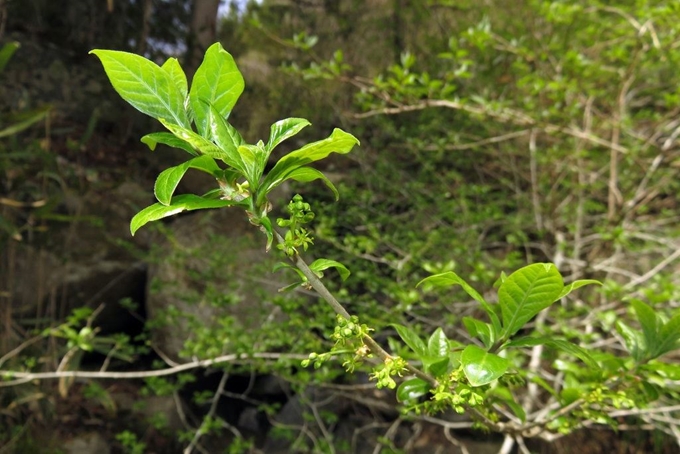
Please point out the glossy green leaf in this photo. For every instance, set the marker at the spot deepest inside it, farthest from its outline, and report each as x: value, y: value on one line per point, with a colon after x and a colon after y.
x: 307, y: 174
x: 217, y: 82
x: 577, y: 284
x: 479, y: 329
x: 167, y: 181
x: 438, y: 344
x: 166, y: 138
x: 482, y: 367
x: 558, y: 344
x: 185, y: 202
x: 338, y: 142
x: 268, y: 229
x: 525, y: 293
x: 284, y: 129
x: 176, y: 73
x: 145, y: 85
x: 412, y: 389
x: 225, y: 137
x: 449, y: 279
x: 199, y: 143
x: 320, y: 265
x: 411, y: 339
x: 6, y: 53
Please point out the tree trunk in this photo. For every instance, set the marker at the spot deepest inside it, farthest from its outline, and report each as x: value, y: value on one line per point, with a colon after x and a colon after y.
x: 203, y: 31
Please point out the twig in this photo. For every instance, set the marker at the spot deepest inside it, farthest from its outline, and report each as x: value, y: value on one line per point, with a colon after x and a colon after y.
x: 25, y: 377
x: 339, y: 309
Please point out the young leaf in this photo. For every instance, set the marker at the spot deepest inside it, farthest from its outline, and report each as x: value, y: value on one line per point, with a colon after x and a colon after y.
x: 412, y: 389
x: 197, y: 142
x: 176, y: 73
x: 338, y: 142
x: 558, y: 344
x: 284, y: 129
x: 185, y: 202
x: 145, y: 85
x: 438, y: 344
x: 482, y: 367
x: 411, y: 339
x: 525, y: 293
x: 648, y: 321
x: 323, y: 264
x: 307, y: 174
x: 669, y: 337
x: 226, y: 138
x: 153, y: 139
x: 577, y: 284
x: 477, y: 328
x: 218, y: 82
x: 633, y: 339
x: 253, y: 164
x: 450, y: 278
x: 167, y: 181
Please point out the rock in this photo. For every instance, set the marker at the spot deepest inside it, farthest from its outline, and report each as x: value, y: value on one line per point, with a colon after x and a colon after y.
x: 87, y: 443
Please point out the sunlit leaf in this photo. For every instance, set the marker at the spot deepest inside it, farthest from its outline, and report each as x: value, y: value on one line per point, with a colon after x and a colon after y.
x: 577, y: 284
x: 482, y: 367
x: 284, y: 129
x: 176, y: 73
x: 411, y: 339
x: 217, y: 82
x: 166, y: 138
x: 412, y: 389
x: 179, y: 203
x: 167, y: 181
x: 323, y: 264
x: 145, y: 85
x: 526, y: 292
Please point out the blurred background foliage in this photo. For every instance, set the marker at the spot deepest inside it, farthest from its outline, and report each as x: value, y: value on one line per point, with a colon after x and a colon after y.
x: 494, y: 134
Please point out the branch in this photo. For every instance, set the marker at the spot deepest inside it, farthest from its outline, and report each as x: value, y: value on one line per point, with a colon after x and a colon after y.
x: 339, y: 309
x: 18, y: 378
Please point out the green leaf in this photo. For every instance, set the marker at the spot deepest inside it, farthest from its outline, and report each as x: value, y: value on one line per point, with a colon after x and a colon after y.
x: 197, y: 142
x: 323, y: 264
x: 167, y: 181
x: 525, y: 293
x: 436, y: 366
x: 450, y: 278
x: 411, y: 339
x: 577, y: 284
x: 482, y: 367
x: 669, y: 337
x: 633, y: 339
x: 284, y: 129
x: 6, y: 53
x: 176, y: 73
x: 338, y: 142
x: 185, y: 202
x: 479, y: 329
x: 649, y: 323
x: 145, y: 85
x: 503, y: 394
x: 226, y: 138
x: 166, y: 138
x: 412, y: 389
x: 438, y: 344
x: 217, y: 82
x: 307, y: 174
x: 253, y: 165
x: 558, y: 344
